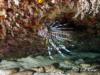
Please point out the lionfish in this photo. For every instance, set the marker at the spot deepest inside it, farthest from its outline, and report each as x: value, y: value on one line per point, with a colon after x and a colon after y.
x: 55, y: 33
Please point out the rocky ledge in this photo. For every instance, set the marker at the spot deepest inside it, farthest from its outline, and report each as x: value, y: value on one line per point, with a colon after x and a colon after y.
x: 75, y: 64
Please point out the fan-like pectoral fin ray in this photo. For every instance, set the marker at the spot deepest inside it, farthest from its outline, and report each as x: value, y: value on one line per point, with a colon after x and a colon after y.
x: 56, y: 48
x: 58, y: 40
x: 64, y: 48
x: 49, y: 52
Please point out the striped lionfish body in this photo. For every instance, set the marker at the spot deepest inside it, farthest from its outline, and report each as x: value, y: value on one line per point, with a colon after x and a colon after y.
x: 55, y: 33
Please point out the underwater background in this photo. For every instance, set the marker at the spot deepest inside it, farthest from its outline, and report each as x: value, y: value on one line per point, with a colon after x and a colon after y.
x: 48, y: 36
